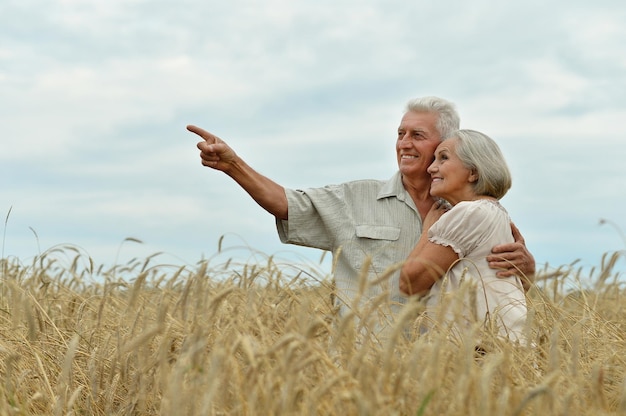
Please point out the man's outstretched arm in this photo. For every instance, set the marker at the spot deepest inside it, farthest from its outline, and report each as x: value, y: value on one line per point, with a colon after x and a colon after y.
x: 216, y: 154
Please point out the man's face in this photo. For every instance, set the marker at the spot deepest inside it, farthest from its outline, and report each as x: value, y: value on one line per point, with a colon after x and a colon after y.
x: 417, y: 140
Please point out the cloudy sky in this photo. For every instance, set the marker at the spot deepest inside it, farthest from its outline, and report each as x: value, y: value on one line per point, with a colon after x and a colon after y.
x: 95, y: 96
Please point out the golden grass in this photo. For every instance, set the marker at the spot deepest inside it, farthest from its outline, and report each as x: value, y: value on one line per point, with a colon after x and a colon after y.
x: 259, y: 339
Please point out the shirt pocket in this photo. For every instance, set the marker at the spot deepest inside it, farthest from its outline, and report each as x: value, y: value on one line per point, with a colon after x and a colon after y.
x: 378, y: 232
x: 379, y: 244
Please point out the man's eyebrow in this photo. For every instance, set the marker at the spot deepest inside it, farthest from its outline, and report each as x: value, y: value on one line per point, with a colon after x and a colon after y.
x: 414, y: 131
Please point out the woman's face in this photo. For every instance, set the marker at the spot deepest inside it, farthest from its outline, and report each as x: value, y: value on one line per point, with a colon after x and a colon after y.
x: 451, y: 180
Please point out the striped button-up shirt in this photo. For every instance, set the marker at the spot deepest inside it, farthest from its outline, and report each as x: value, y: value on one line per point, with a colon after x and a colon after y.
x: 370, y: 226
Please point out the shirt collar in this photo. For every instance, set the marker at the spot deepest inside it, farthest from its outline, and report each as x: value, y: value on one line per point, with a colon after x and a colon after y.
x: 393, y: 187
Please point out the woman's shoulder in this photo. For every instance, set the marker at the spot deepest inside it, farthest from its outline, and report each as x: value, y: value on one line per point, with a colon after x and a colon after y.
x: 480, y: 205
x: 478, y: 210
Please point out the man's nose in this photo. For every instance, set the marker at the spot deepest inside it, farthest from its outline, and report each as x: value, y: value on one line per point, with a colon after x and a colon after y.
x: 404, y: 140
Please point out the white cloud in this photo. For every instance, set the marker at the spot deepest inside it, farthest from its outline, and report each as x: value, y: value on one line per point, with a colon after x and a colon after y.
x: 96, y: 96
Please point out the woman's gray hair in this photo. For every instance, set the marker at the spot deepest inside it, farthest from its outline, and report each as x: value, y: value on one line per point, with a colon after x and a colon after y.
x: 448, y: 121
x: 480, y: 153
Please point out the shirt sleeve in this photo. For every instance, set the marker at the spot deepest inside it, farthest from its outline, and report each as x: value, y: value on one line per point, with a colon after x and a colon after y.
x: 463, y: 228
x: 312, y: 216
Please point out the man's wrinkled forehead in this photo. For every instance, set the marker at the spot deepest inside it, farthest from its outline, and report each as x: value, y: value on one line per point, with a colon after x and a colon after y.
x: 421, y: 121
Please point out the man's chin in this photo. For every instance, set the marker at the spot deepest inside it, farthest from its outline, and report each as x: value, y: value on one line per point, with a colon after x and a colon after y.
x: 411, y: 171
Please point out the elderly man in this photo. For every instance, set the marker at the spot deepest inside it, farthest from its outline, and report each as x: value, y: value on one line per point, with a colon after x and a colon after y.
x: 370, y: 226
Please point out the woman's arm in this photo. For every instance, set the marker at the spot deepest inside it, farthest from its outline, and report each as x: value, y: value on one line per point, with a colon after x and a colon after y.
x: 428, y: 261
x: 426, y: 264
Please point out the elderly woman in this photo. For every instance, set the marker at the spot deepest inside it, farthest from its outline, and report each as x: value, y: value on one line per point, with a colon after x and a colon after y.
x: 449, y: 261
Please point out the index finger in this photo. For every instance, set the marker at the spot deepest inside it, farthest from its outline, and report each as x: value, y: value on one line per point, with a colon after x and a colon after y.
x: 201, y: 132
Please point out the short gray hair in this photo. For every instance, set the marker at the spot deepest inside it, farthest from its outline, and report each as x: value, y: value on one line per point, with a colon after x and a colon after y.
x: 448, y: 121
x: 480, y: 153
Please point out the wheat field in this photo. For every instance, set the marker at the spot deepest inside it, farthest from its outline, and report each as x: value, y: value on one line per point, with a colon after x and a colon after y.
x: 261, y: 338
